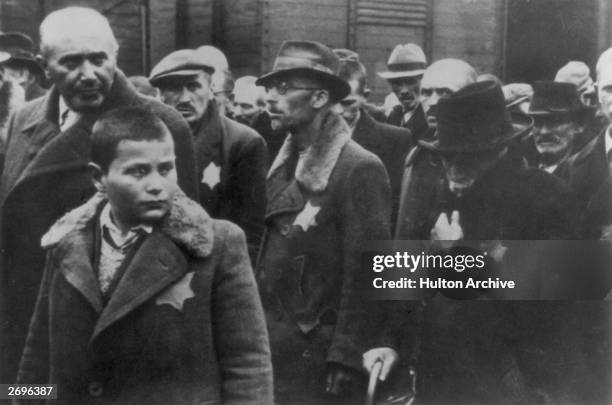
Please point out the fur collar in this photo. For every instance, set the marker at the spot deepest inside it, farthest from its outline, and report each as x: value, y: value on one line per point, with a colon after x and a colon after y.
x: 317, y: 162
x: 187, y: 224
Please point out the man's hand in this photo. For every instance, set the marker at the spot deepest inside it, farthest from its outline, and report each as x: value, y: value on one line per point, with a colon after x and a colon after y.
x: 339, y: 379
x: 446, y: 231
x: 386, y: 355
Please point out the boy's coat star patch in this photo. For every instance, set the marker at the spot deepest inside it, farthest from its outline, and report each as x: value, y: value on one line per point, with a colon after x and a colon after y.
x: 306, y: 218
x: 177, y: 293
x: 211, y: 175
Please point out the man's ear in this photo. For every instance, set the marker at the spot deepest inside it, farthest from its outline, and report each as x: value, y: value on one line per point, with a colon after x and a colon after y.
x: 320, y: 98
x: 43, y: 63
x: 97, y: 177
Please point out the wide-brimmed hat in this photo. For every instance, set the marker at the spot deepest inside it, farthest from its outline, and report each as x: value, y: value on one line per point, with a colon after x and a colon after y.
x: 311, y: 59
x: 405, y: 61
x: 20, y: 48
x: 476, y: 119
x: 556, y: 98
x: 184, y: 62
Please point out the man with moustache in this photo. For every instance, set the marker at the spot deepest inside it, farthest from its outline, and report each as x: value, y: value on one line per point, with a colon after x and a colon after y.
x: 558, y: 116
x: 231, y: 158
x: 391, y: 144
x: 405, y: 69
x: 327, y: 196
x: 422, y: 169
x: 250, y: 109
x: 45, y: 172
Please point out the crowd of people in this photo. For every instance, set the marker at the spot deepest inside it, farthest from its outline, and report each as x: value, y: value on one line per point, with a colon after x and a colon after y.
x: 190, y: 237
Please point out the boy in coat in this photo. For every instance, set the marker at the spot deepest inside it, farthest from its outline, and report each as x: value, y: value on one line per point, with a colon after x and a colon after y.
x: 145, y: 298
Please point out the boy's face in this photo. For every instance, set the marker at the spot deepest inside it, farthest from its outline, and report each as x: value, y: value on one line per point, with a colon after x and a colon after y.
x: 140, y: 182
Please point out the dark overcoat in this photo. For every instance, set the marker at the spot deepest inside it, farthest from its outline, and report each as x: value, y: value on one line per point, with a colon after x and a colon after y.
x: 322, y: 209
x: 391, y: 144
x: 239, y: 156
x: 485, y: 351
x: 183, y: 326
x: 45, y: 175
x: 417, y: 124
x: 586, y: 173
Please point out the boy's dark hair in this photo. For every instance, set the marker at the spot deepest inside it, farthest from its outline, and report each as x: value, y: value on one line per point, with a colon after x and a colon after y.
x: 123, y: 124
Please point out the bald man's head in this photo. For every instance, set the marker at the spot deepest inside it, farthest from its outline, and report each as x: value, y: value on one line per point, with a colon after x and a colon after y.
x: 79, y: 56
x: 70, y: 22
x: 249, y: 100
x: 441, y: 79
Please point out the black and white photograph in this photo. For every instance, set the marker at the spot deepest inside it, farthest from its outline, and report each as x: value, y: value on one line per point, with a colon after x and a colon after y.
x: 306, y: 202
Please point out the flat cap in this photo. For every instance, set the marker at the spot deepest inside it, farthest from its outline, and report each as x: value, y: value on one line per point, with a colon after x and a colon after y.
x: 184, y: 62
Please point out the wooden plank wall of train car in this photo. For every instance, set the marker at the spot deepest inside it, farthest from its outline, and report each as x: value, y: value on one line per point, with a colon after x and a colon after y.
x: 472, y: 30
x: 237, y: 26
x: 325, y: 21
x: 377, y: 26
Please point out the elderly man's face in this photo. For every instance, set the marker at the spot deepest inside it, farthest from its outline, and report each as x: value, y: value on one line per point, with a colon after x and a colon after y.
x: 83, y: 69
x: 407, y: 91
x: 189, y: 95
x: 554, y: 135
x: 464, y: 169
x: 246, y: 104
x: 290, y: 102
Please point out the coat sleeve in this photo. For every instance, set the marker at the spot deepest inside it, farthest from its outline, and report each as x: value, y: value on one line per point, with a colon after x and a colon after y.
x: 365, y: 214
x: 239, y: 326
x: 34, y: 365
x: 249, y: 199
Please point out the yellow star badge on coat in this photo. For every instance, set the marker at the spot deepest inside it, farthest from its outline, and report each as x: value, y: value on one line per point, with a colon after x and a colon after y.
x: 306, y: 218
x: 211, y: 175
x: 177, y: 293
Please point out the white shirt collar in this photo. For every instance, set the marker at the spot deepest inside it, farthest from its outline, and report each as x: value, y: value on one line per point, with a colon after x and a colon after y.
x: 115, y: 233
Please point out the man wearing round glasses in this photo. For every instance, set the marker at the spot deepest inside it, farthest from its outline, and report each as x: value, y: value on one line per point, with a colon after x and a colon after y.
x: 326, y: 197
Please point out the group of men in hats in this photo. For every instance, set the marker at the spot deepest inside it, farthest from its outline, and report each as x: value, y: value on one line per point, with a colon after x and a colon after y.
x: 458, y: 159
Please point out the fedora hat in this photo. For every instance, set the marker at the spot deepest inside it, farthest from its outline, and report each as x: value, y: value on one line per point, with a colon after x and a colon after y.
x: 476, y: 119
x: 555, y: 98
x: 405, y: 61
x: 311, y: 59
x: 20, y: 48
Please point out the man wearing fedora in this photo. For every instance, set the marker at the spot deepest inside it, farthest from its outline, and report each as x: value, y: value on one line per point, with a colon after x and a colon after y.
x: 327, y: 196
x: 558, y: 117
x: 22, y: 66
x: 405, y: 69
x: 473, y: 351
x: 231, y: 158
x: 423, y: 169
x: 391, y: 144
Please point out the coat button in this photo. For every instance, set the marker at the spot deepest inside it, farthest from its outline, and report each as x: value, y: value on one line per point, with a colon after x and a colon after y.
x: 95, y: 389
x: 285, y: 230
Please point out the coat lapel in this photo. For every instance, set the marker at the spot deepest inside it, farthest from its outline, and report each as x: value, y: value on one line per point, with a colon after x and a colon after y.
x: 595, y: 163
x: 157, y: 264
x: 77, y: 268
